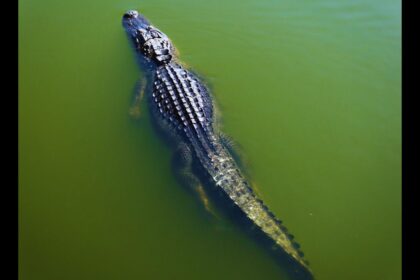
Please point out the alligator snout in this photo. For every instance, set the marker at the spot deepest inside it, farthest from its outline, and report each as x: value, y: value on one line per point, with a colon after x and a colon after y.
x: 131, y: 14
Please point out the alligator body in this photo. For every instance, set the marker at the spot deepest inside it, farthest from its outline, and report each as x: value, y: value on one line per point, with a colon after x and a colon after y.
x: 183, y: 107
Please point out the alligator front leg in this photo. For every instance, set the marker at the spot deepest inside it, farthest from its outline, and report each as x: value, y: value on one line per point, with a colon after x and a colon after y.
x: 182, y: 162
x: 140, y: 88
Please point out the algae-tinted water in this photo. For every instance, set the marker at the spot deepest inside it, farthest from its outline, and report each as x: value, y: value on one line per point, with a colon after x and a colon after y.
x: 311, y: 90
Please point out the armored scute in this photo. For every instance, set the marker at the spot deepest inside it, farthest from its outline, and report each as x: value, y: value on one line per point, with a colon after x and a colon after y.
x: 182, y: 107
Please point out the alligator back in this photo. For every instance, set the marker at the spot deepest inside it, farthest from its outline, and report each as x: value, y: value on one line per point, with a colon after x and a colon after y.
x: 180, y: 100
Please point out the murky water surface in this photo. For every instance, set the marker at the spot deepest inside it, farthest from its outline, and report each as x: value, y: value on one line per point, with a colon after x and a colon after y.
x: 311, y: 90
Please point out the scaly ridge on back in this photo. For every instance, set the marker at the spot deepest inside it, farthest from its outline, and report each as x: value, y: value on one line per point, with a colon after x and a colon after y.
x: 230, y: 179
x: 184, y: 105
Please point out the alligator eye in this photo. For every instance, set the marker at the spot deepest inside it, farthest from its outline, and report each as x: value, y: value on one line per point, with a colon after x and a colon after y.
x: 131, y: 14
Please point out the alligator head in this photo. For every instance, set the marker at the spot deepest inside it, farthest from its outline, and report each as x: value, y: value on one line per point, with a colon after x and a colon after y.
x: 152, y: 43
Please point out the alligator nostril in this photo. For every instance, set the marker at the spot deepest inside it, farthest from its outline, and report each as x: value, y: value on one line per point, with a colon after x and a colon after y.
x: 131, y: 14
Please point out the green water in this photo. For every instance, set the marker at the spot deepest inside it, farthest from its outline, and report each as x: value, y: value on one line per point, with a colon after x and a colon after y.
x: 311, y: 90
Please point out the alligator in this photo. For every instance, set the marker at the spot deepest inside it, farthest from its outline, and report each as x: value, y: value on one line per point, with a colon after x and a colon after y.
x: 182, y: 107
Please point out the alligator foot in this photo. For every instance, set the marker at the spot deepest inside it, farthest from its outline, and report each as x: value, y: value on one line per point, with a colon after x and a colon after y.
x: 140, y: 88
x: 182, y: 162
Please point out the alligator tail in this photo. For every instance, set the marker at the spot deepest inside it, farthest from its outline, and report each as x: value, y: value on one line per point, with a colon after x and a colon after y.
x: 230, y: 179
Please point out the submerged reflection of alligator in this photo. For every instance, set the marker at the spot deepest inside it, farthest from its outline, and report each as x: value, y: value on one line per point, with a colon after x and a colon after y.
x: 182, y: 108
